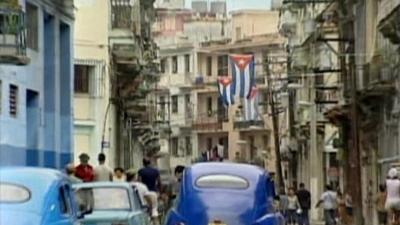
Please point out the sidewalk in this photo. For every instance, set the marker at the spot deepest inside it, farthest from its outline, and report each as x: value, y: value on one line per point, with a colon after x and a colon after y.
x: 319, y: 222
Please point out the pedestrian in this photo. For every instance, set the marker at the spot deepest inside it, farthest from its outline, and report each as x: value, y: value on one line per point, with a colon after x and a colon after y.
x: 102, y: 172
x: 70, y: 170
x: 348, y: 201
x: 392, y: 204
x: 119, y: 175
x: 293, y: 206
x: 178, y: 180
x: 304, y: 197
x: 150, y: 176
x: 283, y: 204
x: 329, y: 201
x: 214, y: 155
x: 341, y: 203
x: 84, y: 171
x: 380, y: 200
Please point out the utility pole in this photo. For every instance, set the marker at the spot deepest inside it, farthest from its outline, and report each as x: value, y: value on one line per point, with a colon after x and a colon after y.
x: 275, y: 122
x: 354, y: 182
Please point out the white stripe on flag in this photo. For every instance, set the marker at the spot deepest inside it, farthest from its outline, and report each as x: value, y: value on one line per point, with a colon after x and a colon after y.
x: 228, y: 94
x: 247, y: 81
x: 237, y: 77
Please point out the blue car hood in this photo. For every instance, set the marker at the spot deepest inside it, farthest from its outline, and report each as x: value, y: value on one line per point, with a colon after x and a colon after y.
x: 10, y: 217
x: 226, y: 207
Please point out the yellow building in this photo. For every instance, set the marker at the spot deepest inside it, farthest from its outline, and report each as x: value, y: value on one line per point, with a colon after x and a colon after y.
x: 93, y: 114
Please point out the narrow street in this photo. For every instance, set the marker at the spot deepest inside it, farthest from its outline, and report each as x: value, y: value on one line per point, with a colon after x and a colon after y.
x: 199, y: 112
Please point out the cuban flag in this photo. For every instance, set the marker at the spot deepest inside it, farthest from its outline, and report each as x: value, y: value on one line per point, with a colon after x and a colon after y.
x: 225, y: 90
x: 251, y: 105
x: 243, y: 74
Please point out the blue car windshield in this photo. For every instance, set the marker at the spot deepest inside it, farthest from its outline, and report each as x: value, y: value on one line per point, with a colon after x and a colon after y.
x: 105, y: 198
x: 12, y: 193
x: 222, y: 181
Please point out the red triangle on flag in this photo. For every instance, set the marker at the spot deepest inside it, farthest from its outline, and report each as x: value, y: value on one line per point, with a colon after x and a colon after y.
x: 242, y: 61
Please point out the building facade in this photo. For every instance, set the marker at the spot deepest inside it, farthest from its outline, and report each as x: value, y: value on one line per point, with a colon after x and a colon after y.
x: 94, y: 122
x: 36, y: 83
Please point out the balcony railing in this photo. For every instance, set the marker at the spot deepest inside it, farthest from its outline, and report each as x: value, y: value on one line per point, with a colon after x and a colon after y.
x: 248, y: 124
x: 12, y: 36
x: 211, y: 121
x: 121, y: 14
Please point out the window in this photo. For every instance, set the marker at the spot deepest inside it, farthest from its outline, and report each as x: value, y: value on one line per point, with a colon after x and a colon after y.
x: 161, y: 112
x: 174, y: 146
x: 209, y: 143
x: 222, y: 65
x: 238, y: 33
x: 65, y: 204
x: 222, y: 181
x: 187, y: 63
x: 11, y: 193
x: 82, y: 78
x: 209, y: 66
x: 174, y: 100
x: 175, y: 64
x: 163, y: 65
x: 188, y: 145
x: 13, y: 100
x: 105, y: 198
x: 209, y: 107
x: 32, y: 27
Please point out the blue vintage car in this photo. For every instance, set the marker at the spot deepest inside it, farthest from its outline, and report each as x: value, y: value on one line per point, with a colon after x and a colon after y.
x: 35, y: 196
x: 111, y: 203
x: 225, y: 194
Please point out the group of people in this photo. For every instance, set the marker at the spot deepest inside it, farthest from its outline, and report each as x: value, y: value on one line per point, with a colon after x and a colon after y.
x: 146, y: 180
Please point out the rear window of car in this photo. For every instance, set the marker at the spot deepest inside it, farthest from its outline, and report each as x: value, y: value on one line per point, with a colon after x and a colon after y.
x: 104, y: 198
x: 12, y: 193
x: 222, y: 181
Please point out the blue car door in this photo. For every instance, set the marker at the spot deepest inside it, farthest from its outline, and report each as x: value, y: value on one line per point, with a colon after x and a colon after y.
x: 67, y: 214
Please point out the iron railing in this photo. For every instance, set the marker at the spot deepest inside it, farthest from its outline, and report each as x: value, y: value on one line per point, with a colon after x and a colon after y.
x: 12, y: 36
x: 121, y: 14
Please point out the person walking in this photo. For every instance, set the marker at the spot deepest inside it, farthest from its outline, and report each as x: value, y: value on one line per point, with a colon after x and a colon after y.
x: 341, y: 203
x: 102, y: 172
x: 84, y: 171
x: 304, y: 197
x: 293, y: 206
x: 380, y: 200
x: 119, y: 175
x: 150, y: 176
x: 283, y: 204
x: 329, y: 201
x: 393, y: 195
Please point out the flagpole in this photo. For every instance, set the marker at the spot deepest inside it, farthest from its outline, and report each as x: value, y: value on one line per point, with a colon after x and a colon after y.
x: 275, y: 123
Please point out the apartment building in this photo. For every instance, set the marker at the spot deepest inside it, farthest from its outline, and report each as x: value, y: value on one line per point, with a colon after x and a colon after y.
x: 36, y: 80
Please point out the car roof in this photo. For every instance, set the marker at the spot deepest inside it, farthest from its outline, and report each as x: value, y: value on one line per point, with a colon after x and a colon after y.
x: 103, y: 184
x: 39, y: 181
x: 244, y: 170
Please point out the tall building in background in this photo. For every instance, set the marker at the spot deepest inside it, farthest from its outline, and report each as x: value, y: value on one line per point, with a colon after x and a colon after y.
x: 36, y: 75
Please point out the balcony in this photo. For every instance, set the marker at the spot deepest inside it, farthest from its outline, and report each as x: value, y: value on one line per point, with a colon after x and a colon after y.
x: 248, y: 124
x: 209, y: 122
x: 12, y: 36
x: 121, y: 14
x: 388, y: 14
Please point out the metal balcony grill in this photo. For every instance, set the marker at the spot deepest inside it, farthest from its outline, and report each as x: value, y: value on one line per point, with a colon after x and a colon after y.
x: 121, y: 14
x: 12, y: 36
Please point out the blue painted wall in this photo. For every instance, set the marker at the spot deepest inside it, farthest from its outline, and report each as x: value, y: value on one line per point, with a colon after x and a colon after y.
x: 41, y: 134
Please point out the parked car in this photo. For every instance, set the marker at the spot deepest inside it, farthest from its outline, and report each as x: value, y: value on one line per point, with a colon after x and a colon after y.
x: 225, y: 193
x: 111, y: 203
x: 35, y: 196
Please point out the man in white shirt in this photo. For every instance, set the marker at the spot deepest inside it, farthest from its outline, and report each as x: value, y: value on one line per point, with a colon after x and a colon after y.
x: 148, y: 198
x: 102, y: 172
x: 393, y: 194
x: 329, y: 200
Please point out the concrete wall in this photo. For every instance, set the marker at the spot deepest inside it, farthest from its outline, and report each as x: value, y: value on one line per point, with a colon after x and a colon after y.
x: 246, y: 23
x: 41, y: 132
x: 91, y: 44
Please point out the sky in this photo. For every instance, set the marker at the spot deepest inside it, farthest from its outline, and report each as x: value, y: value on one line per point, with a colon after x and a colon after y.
x: 242, y: 4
